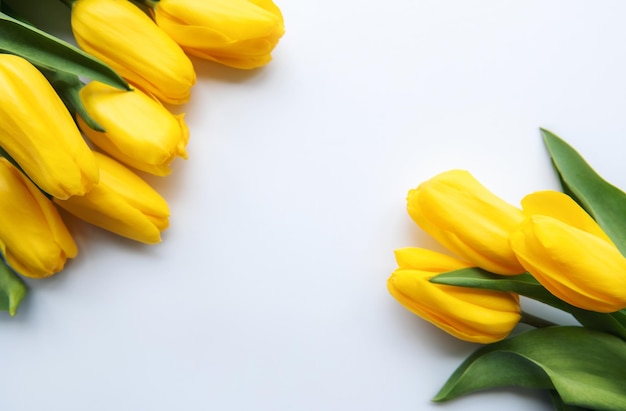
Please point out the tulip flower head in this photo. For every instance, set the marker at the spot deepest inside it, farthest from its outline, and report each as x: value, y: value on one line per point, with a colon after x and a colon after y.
x: 237, y: 33
x: 139, y: 131
x: 120, y: 34
x: 122, y: 203
x: 469, y: 314
x: 570, y: 256
x: 33, y: 238
x: 461, y: 214
x: 39, y: 133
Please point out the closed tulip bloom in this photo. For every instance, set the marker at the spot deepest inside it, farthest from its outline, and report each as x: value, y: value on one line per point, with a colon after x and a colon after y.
x: 461, y: 214
x: 237, y: 33
x: 33, y: 238
x: 139, y: 131
x: 470, y: 314
x: 571, y: 257
x: 120, y: 34
x: 122, y: 203
x: 39, y: 133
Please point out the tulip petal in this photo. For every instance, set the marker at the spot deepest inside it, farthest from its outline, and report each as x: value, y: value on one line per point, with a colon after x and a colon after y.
x: 38, y: 132
x: 124, y: 37
x: 469, y: 314
x: 468, y: 219
x: 139, y: 131
x: 562, y: 207
x: 427, y: 260
x: 238, y: 33
x: 34, y: 241
x: 579, y: 268
x: 603, y: 201
x: 122, y: 203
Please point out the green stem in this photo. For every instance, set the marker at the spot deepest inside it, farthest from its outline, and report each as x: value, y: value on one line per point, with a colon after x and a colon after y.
x: 535, y: 321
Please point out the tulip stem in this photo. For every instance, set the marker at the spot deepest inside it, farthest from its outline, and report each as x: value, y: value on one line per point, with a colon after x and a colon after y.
x: 535, y: 321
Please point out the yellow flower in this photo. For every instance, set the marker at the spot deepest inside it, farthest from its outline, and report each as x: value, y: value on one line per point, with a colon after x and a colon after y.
x: 38, y: 132
x: 237, y: 33
x: 122, y: 203
x: 469, y: 314
x: 124, y: 37
x: 140, y: 132
x: 569, y: 254
x: 33, y: 238
x: 468, y: 219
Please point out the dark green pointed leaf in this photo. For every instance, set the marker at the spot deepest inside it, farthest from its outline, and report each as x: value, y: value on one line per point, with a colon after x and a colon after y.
x: 603, y: 201
x: 585, y: 367
x: 528, y: 286
x: 12, y: 289
x: 49, y: 52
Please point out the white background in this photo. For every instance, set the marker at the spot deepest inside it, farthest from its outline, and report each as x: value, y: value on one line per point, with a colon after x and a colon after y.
x: 268, y: 292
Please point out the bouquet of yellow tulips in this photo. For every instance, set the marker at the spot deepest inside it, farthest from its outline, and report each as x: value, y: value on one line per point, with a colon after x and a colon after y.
x: 79, y: 124
x: 564, y: 249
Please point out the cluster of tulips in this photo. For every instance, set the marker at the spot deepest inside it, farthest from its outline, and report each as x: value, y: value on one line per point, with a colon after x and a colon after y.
x: 81, y: 145
x: 551, y: 237
x: 551, y: 250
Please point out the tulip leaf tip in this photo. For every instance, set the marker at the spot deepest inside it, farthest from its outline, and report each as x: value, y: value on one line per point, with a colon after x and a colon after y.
x: 602, y: 200
x: 12, y: 289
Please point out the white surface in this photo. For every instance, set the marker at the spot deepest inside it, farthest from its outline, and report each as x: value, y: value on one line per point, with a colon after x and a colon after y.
x: 268, y: 292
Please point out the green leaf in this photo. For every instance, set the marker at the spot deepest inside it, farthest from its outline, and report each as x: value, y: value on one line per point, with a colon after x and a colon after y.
x: 12, y: 289
x: 603, y: 201
x: 585, y: 367
x: 48, y: 52
x: 523, y: 284
x: 559, y: 405
x: 68, y: 88
x: 528, y: 286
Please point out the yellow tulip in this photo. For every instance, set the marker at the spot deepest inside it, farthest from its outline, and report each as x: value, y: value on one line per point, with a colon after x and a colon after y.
x: 122, y: 203
x: 120, y: 34
x: 33, y: 238
x: 139, y: 131
x: 569, y: 254
x: 469, y: 314
x: 237, y: 33
x: 39, y: 133
x: 461, y: 214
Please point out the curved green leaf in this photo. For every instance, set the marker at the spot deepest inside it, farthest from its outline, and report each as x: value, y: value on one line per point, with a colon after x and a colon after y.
x: 12, y: 289
x: 603, y: 201
x: 528, y: 286
x: 523, y: 284
x: 68, y: 88
x: 49, y: 52
x: 559, y: 405
x: 587, y: 368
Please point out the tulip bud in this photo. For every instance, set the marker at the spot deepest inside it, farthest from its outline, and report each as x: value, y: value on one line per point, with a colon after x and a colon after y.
x: 38, y: 132
x: 124, y: 37
x: 139, y: 131
x: 571, y: 257
x: 33, y: 238
x: 470, y: 314
x: 237, y: 33
x: 122, y: 203
x: 468, y: 219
